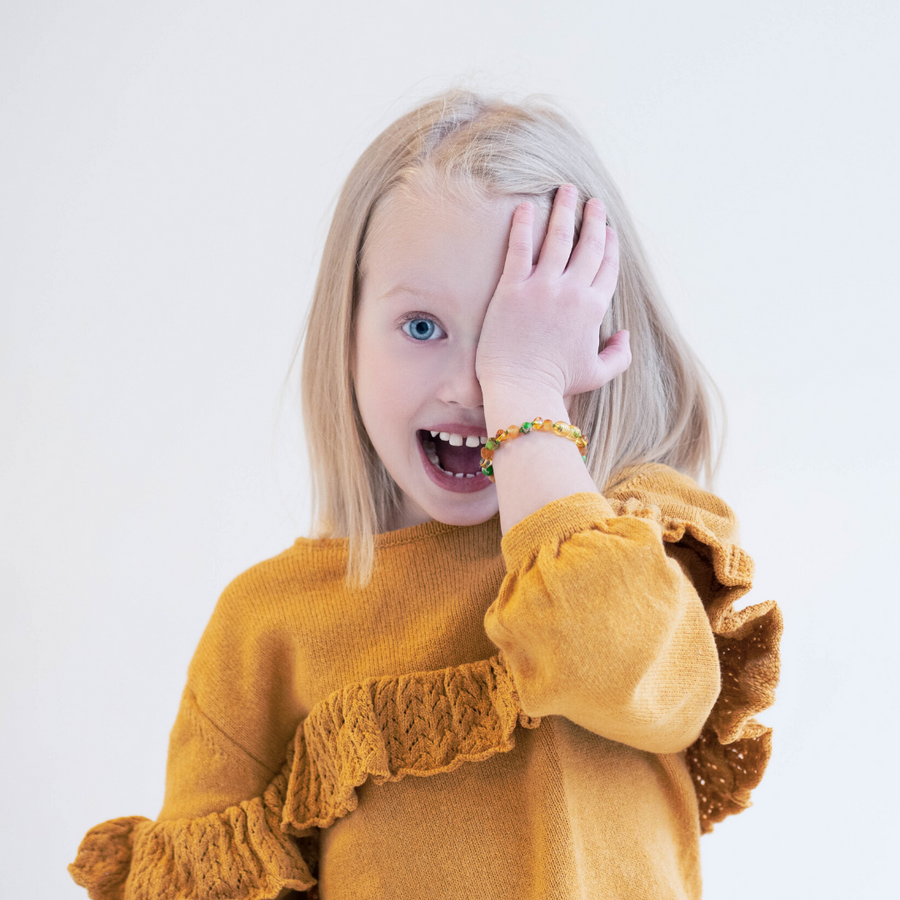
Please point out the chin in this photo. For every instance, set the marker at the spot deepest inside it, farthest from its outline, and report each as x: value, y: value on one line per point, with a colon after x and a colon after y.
x: 462, y: 519
x: 459, y: 514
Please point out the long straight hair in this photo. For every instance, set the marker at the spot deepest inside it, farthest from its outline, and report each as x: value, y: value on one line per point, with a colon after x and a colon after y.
x: 659, y: 410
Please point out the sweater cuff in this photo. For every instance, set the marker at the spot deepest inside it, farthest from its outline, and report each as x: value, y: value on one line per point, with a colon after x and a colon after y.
x: 552, y: 524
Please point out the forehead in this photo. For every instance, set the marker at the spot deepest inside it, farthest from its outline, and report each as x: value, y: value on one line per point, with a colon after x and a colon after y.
x: 418, y: 231
x: 409, y: 211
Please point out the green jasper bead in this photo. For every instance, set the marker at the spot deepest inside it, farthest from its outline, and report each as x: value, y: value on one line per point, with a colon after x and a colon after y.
x: 488, y: 471
x: 526, y: 427
x: 492, y: 444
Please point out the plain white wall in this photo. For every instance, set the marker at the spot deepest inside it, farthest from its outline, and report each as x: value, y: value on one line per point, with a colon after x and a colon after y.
x: 166, y: 175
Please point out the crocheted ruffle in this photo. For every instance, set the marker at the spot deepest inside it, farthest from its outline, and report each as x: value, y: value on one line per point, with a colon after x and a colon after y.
x: 387, y: 728
x: 382, y: 728
x: 241, y: 853
x: 729, y: 758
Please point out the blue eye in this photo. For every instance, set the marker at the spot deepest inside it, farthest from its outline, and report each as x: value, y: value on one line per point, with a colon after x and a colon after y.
x: 421, y: 329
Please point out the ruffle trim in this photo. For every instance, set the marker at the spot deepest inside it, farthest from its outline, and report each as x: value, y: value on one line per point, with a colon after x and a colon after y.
x: 387, y: 728
x: 241, y: 853
x: 382, y: 728
x: 729, y: 758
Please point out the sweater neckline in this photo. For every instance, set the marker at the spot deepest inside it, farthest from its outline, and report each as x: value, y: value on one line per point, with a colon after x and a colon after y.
x: 409, y: 535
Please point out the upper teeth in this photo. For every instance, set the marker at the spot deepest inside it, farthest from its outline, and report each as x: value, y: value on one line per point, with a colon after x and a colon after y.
x: 456, y: 440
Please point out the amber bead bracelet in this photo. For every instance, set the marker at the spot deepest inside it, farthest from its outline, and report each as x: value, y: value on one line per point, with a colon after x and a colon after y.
x: 563, y: 429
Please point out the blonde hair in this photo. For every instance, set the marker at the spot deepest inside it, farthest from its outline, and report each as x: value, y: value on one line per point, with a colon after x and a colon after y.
x: 659, y: 410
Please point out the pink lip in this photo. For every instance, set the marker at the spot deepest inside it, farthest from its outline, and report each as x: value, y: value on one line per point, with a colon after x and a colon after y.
x: 460, y: 429
x: 451, y: 482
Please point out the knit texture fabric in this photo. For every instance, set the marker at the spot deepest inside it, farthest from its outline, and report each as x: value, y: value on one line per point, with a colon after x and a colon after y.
x: 574, y: 701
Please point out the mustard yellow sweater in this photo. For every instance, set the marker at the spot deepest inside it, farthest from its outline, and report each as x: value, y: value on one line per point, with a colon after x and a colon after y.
x: 559, y: 713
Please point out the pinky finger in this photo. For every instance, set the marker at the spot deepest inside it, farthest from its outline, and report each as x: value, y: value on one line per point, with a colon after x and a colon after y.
x: 615, y: 357
x: 519, y: 255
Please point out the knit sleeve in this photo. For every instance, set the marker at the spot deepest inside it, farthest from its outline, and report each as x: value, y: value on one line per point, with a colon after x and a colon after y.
x: 219, y: 834
x: 617, y: 613
x: 238, y: 851
x: 598, y: 624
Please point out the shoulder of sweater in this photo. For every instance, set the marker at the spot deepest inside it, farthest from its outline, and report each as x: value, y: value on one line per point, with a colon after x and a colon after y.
x: 289, y: 578
x: 677, y: 496
x: 261, y: 613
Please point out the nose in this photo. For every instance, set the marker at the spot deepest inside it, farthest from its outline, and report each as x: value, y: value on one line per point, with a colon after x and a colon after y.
x: 460, y: 386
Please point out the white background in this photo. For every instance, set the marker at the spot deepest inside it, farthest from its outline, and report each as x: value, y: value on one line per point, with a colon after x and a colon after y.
x: 167, y: 172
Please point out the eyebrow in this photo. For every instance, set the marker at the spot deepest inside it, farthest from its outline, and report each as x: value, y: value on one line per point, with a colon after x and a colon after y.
x: 404, y: 288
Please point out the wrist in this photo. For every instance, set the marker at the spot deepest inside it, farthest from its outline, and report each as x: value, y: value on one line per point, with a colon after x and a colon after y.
x: 502, y: 409
x: 537, y: 452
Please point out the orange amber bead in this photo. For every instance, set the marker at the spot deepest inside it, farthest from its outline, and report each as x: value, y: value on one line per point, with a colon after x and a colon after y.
x: 487, y: 454
x: 513, y: 431
x: 546, y: 425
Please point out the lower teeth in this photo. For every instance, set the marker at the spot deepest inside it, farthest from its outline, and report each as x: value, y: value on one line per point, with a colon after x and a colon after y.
x: 433, y: 457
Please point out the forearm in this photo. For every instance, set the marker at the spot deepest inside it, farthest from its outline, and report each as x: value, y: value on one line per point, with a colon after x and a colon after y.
x: 535, y: 469
x: 598, y: 624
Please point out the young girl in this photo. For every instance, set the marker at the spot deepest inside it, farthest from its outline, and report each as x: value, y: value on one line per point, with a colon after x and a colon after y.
x: 509, y: 664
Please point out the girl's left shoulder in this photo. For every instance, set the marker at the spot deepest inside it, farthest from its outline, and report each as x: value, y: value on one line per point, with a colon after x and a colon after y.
x: 675, y: 500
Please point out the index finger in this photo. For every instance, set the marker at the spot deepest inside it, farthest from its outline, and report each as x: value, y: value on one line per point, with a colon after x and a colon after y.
x: 518, y: 263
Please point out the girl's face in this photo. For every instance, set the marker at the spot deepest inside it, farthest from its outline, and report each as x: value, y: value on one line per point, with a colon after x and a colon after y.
x: 427, y: 277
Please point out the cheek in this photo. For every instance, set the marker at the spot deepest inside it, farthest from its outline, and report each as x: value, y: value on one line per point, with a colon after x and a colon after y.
x: 386, y: 383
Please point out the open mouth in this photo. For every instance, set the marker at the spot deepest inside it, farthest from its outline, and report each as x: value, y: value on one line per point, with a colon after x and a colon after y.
x: 459, y: 461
